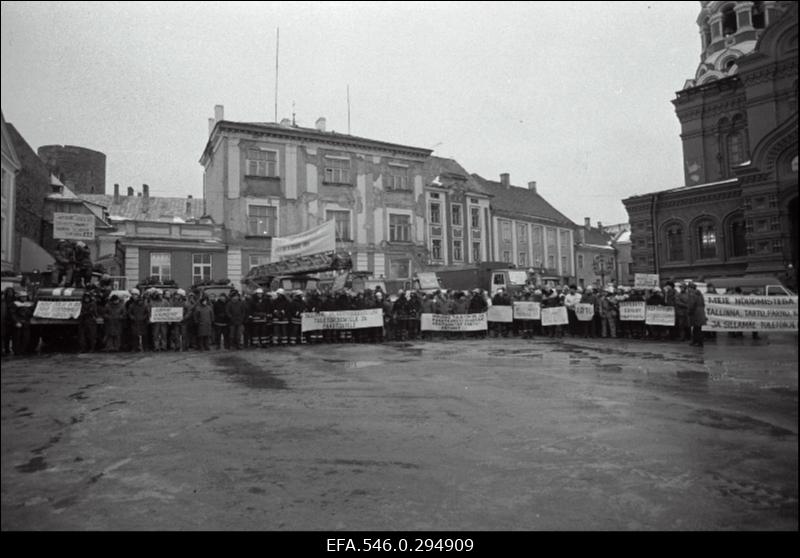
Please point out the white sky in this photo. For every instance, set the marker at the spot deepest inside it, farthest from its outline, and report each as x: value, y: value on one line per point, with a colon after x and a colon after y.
x: 574, y: 95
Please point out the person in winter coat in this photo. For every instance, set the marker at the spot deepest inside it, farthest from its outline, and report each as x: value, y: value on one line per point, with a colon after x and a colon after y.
x: 697, y: 314
x: 656, y: 298
x: 203, y: 316
x: 21, y: 316
x: 7, y: 309
x: 296, y: 308
x: 500, y: 298
x: 682, y: 314
x: 414, y: 315
x: 138, y: 317
x: 280, y: 318
x: 82, y: 275
x: 87, y: 324
x: 589, y: 297
x: 237, y: 313
x: 608, y: 313
x: 114, y: 318
x: 258, y: 311
x: 221, y: 336
x: 400, y: 314
x: 176, y: 329
x: 158, y: 330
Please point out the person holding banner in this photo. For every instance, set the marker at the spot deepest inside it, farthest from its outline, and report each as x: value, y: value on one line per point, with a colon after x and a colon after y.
x: 570, y: 300
x: 500, y: 299
x: 655, y: 299
x: 551, y: 299
x: 158, y: 329
x: 478, y: 305
x: 589, y: 297
x: 175, y: 330
x: 697, y: 314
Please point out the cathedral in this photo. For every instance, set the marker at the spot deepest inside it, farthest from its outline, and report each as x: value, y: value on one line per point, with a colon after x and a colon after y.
x: 736, y: 214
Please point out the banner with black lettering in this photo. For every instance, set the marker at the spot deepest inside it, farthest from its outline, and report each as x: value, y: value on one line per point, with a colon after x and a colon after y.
x: 454, y: 322
x: 750, y: 313
x: 631, y: 311
x: 660, y: 315
x: 554, y: 316
x: 500, y: 314
x: 165, y: 314
x: 527, y: 310
x: 584, y: 311
x: 342, y: 319
x: 57, y: 309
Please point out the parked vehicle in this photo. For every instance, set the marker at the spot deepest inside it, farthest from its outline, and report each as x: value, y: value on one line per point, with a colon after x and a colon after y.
x: 489, y: 276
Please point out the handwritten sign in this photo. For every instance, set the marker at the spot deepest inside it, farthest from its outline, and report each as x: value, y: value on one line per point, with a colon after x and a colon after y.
x: 500, y: 314
x: 584, y: 311
x: 660, y: 315
x: 525, y: 310
x: 75, y: 226
x: 454, y: 322
x: 161, y: 314
x: 554, y: 316
x: 645, y: 280
x: 751, y: 313
x: 631, y: 311
x: 343, y: 319
x: 57, y: 309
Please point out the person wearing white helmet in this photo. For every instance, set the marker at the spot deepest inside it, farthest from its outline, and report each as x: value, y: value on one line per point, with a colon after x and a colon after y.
x: 280, y: 318
x: 259, y: 317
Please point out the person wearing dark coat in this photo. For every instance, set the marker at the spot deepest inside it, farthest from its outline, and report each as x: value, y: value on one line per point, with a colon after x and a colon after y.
x: 87, y: 324
x: 21, y: 316
x: 7, y: 309
x: 259, y: 313
x: 314, y: 305
x: 114, y: 317
x: 236, y: 311
x: 501, y: 298
x: 400, y: 311
x: 280, y: 318
x: 697, y: 314
x: 203, y: 316
x: 296, y: 308
x: 138, y: 316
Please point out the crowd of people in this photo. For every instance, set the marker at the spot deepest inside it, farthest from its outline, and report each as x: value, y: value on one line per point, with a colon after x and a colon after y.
x: 111, y: 322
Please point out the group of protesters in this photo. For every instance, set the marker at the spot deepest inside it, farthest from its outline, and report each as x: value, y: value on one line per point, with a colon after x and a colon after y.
x: 111, y: 322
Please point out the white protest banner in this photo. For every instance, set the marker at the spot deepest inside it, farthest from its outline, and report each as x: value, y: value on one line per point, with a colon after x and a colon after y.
x: 75, y: 226
x: 631, y: 311
x: 584, y: 312
x: 321, y: 238
x: 500, y: 314
x: 161, y: 314
x: 659, y: 315
x: 525, y: 310
x: 645, y: 280
x: 454, y: 322
x: 750, y: 313
x: 57, y: 309
x: 342, y: 319
x: 554, y: 316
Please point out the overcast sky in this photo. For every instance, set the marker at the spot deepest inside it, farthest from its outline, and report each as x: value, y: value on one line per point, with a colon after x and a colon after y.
x: 574, y: 95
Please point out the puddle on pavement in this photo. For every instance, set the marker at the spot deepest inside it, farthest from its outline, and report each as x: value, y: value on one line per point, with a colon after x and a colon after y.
x: 692, y: 374
x: 728, y: 421
x: 609, y: 367
x: 35, y: 464
x: 353, y: 363
x: 515, y: 353
x: 245, y: 372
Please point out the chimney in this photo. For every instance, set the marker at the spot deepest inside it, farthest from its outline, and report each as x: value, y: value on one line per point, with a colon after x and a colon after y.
x: 130, y: 191
x: 600, y: 225
x: 189, y: 206
x: 587, y: 222
x: 286, y: 123
x: 320, y: 125
x: 532, y: 186
x: 146, y: 198
x: 219, y: 113
x: 211, y: 123
x: 116, y: 194
x: 505, y: 179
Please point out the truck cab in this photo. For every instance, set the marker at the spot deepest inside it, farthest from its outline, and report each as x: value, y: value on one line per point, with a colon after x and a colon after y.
x: 510, y: 280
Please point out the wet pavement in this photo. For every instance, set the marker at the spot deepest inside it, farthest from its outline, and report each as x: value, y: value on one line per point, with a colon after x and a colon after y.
x: 499, y: 434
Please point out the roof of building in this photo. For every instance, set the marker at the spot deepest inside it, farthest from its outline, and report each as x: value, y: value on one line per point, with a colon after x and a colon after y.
x: 444, y: 171
x: 515, y: 200
x: 596, y: 237
x: 625, y: 236
x: 132, y: 208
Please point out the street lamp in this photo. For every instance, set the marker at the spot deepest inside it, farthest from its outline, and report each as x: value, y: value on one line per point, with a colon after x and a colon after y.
x: 599, y: 266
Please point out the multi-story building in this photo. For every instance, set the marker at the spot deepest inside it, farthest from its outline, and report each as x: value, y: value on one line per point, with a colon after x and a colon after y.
x: 265, y: 179
x: 737, y: 212
x: 458, y: 220
x: 11, y: 165
x: 595, y: 256
x: 529, y: 232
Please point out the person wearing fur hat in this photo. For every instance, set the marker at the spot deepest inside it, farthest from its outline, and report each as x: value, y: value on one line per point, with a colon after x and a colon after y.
x: 114, y: 317
x: 87, y: 324
x: 138, y: 317
x: 203, y: 316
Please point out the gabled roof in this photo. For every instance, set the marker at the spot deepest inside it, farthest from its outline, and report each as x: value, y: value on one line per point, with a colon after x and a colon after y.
x: 9, y: 152
x: 131, y: 208
x: 515, y: 201
x: 597, y: 237
x: 444, y: 173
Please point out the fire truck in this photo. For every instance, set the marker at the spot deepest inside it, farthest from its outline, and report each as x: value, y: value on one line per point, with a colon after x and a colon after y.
x: 300, y: 272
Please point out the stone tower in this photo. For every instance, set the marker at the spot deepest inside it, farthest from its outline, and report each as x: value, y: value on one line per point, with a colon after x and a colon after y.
x: 82, y: 170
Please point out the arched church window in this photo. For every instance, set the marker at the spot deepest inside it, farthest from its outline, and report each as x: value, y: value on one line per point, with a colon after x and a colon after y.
x: 675, y: 243
x: 729, y: 24
x: 737, y: 245
x: 706, y: 33
x: 706, y: 240
x: 757, y: 15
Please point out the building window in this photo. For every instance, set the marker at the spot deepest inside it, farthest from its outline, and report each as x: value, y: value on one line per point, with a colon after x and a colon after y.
x: 505, y: 232
x: 455, y: 212
x: 342, y: 219
x: 476, y: 251
x: 436, y: 249
x: 522, y: 233
x: 160, y: 266
x: 564, y: 266
x: 436, y: 213
x: 201, y: 268
x: 580, y: 261
x: 523, y: 260
x: 707, y: 240
x: 256, y: 260
x: 475, y: 217
x: 261, y: 220
x: 397, y: 181
x: 399, y: 228
x: 337, y: 171
x: 507, y: 256
x: 262, y: 163
x: 400, y: 269
x: 458, y: 251
x: 538, y: 246
x: 757, y: 15
x: 729, y: 25
x: 738, y: 245
x: 675, y: 243
x: 551, y: 262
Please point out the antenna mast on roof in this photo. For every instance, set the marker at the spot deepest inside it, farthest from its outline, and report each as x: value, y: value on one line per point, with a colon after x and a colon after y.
x: 293, y: 113
x: 277, y: 46
x: 348, y: 109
